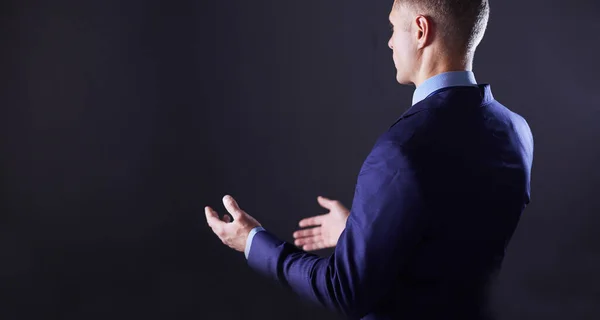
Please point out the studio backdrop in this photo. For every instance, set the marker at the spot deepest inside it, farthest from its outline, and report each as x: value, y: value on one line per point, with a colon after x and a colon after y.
x: 121, y: 120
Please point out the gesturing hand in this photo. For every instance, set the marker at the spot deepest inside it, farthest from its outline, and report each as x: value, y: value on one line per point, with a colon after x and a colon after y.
x: 233, y: 234
x: 329, y: 226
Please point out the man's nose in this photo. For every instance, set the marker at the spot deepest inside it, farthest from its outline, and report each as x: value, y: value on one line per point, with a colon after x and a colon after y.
x: 390, y: 44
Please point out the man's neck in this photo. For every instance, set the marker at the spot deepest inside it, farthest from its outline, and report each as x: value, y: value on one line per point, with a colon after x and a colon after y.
x: 441, y: 65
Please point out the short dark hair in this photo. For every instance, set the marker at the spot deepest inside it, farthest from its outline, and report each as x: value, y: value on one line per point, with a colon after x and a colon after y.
x: 462, y: 22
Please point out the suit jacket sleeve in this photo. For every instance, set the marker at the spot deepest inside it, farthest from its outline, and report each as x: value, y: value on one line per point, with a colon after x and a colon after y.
x: 382, y: 229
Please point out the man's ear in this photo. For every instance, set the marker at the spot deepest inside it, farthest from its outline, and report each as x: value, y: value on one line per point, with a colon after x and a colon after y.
x: 423, y: 31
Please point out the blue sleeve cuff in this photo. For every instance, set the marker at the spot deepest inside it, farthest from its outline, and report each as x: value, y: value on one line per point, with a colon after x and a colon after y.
x: 249, y: 240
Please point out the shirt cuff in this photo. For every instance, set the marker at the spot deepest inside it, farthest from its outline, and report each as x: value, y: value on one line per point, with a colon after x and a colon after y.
x: 249, y: 239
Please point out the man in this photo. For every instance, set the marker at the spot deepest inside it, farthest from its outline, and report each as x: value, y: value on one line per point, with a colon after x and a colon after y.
x: 436, y: 201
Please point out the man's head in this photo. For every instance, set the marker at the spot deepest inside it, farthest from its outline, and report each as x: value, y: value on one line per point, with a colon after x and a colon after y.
x: 433, y: 36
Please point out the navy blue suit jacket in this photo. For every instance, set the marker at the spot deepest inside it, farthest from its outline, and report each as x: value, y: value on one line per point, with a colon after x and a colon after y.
x: 436, y: 203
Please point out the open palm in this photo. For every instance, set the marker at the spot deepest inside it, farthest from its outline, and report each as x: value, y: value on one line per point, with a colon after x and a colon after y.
x: 325, y: 229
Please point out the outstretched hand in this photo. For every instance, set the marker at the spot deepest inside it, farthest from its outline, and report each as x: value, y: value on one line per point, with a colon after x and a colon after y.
x: 232, y: 234
x: 327, y: 228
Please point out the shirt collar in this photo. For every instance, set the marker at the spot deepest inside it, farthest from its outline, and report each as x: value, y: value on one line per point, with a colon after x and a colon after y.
x: 443, y: 80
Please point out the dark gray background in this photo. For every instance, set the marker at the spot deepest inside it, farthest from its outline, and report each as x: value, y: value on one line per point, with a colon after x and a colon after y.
x: 121, y: 120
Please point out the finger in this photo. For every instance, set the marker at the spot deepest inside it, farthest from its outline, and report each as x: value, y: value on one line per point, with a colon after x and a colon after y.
x: 314, y: 246
x: 307, y: 232
x: 232, y: 207
x: 325, y: 202
x: 226, y: 218
x: 312, y: 221
x: 308, y: 240
x: 212, y: 217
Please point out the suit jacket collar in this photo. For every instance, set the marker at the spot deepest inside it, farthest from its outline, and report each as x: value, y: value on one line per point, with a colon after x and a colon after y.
x: 485, y: 96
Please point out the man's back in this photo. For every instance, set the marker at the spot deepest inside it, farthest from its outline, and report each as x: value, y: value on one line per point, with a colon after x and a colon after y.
x: 472, y: 158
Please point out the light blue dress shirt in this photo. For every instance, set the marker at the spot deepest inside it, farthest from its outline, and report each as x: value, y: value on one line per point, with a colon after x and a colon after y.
x: 429, y: 86
x: 443, y: 80
x: 249, y: 239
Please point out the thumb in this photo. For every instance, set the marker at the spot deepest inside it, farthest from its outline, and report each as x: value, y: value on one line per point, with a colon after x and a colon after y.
x: 232, y: 207
x: 325, y: 202
x: 212, y: 218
